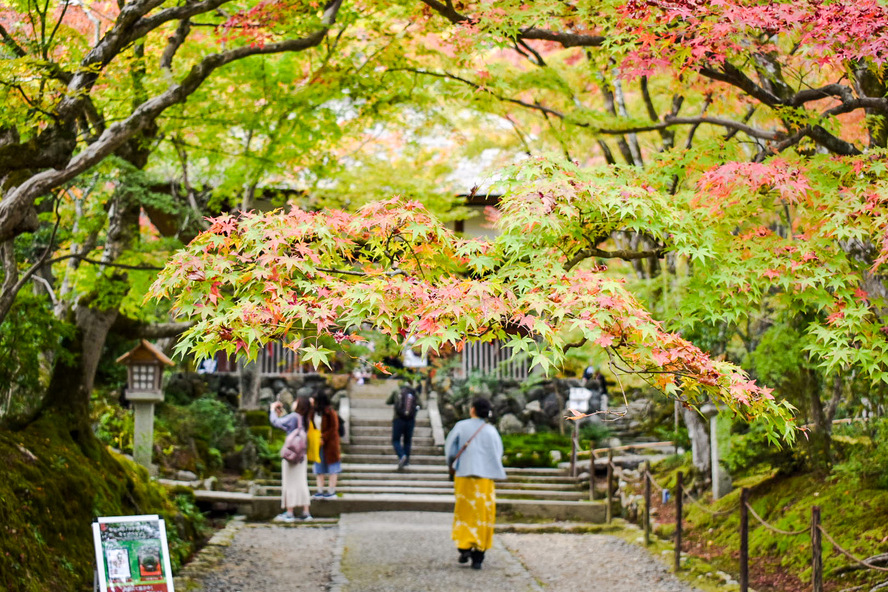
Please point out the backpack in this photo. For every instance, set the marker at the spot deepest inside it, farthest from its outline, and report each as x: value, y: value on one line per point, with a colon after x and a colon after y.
x: 296, y: 445
x: 407, y: 403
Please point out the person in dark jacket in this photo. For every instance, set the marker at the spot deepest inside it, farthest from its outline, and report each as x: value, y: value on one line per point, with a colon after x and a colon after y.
x: 329, y: 465
x: 403, y: 422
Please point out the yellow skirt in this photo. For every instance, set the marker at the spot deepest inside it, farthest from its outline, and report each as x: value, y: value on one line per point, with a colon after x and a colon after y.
x: 474, y: 514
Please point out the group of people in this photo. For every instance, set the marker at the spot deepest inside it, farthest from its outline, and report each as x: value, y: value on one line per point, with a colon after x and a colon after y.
x: 320, y: 423
x: 473, y: 451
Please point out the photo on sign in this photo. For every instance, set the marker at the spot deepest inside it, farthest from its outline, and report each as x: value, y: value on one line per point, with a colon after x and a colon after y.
x: 118, y: 564
x: 149, y: 561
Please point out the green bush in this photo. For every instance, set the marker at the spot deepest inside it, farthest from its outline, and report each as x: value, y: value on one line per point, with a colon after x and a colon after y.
x: 114, y: 426
x: 532, y: 450
x: 751, y: 449
x: 863, y: 449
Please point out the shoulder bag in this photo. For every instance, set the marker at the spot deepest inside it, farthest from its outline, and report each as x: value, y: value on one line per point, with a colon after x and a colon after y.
x: 452, y: 466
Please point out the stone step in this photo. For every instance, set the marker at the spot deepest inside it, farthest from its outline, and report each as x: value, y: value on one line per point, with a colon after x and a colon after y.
x: 388, y: 466
x: 362, y: 421
x: 387, y: 440
x: 355, y: 448
x: 381, y: 389
x: 403, y: 481
x: 363, y: 431
x: 415, y: 459
x: 266, y: 507
x: 503, y: 492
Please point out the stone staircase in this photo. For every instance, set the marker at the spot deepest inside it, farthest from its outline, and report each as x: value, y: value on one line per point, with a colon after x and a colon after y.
x: 370, y: 480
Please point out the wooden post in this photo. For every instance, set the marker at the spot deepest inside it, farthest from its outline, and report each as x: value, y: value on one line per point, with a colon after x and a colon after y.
x: 744, y: 540
x: 816, y: 556
x: 679, y: 493
x: 574, y: 443
x: 647, y: 503
x: 610, y: 486
x: 592, y: 470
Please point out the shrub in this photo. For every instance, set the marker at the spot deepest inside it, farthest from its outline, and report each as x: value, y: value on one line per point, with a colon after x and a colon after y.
x: 864, y: 447
x: 532, y: 450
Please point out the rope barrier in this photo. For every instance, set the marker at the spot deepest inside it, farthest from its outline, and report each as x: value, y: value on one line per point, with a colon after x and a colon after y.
x: 772, y: 527
x: 849, y: 555
x: 654, y: 483
x: 707, y: 510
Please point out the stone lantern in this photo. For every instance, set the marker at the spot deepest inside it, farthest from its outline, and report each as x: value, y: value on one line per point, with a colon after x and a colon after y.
x: 144, y: 366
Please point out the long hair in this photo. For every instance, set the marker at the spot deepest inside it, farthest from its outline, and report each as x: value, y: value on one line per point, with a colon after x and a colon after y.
x: 322, y: 403
x: 302, y: 406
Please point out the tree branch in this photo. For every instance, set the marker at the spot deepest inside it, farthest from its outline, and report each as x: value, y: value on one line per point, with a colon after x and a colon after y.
x: 530, y: 33
x: 174, y: 43
x: 624, y: 254
x: 9, y: 42
x: 20, y: 199
x: 814, y: 94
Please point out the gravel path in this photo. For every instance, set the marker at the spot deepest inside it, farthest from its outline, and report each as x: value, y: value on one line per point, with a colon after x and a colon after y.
x: 275, y: 558
x: 413, y: 552
x: 581, y: 562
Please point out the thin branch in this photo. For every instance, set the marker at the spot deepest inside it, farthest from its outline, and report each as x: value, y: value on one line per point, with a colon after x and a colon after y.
x: 84, y: 259
x: 11, y: 43
x: 624, y: 254
x: 174, y: 43
x: 565, y: 39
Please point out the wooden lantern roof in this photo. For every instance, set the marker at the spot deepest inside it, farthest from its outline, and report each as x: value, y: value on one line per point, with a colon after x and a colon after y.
x: 144, y: 353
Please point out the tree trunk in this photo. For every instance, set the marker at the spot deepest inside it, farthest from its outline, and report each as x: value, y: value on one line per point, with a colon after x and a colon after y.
x: 71, y: 383
x: 820, y: 437
x: 700, y: 447
x: 73, y: 374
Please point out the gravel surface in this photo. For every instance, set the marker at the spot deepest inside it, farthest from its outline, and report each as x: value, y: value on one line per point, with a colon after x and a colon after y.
x: 413, y: 552
x: 275, y: 558
x: 581, y: 562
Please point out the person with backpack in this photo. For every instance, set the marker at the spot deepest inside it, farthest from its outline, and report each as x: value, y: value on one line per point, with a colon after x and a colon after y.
x: 474, y: 452
x: 406, y: 404
x: 329, y: 464
x: 294, y: 464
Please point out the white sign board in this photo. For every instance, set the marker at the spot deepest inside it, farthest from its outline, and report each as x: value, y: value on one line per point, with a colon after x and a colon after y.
x: 132, y: 554
x: 578, y: 398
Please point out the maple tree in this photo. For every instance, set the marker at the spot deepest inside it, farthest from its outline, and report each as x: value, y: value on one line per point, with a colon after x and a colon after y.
x: 765, y: 214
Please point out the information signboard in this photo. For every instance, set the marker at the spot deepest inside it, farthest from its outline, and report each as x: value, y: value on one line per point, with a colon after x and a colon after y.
x: 132, y: 554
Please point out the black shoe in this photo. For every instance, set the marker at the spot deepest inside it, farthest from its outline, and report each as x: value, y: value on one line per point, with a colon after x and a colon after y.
x: 477, y: 559
x: 464, y: 555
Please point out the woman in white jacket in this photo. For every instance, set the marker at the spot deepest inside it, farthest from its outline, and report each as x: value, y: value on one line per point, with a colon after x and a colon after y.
x: 478, y: 450
x: 294, y: 477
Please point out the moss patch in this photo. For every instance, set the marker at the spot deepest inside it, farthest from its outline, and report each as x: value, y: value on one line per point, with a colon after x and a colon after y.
x: 54, y: 485
x: 854, y: 515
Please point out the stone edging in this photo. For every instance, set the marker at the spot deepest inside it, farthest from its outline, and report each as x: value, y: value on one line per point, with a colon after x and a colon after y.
x: 337, y: 578
x: 208, y: 558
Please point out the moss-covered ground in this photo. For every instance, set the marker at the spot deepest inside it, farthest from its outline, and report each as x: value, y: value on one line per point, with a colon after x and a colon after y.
x: 53, y: 486
x: 855, y: 516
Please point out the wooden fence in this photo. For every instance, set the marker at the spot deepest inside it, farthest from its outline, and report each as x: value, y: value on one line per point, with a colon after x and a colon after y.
x: 492, y: 359
x: 814, y: 530
x: 274, y: 360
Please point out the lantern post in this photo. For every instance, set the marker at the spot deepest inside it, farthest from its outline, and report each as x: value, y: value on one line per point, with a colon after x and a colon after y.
x: 145, y: 365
